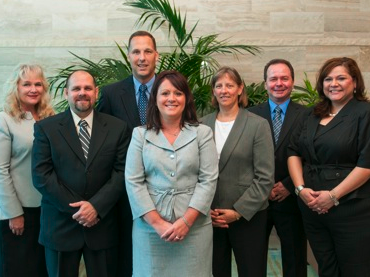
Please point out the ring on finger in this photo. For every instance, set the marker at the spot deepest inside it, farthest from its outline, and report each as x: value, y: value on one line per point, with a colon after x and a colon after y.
x: 177, y: 237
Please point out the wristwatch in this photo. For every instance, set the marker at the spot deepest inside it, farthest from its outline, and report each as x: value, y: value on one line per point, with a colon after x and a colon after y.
x: 299, y: 189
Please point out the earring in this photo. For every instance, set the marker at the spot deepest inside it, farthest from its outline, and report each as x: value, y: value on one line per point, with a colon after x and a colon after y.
x: 354, y: 91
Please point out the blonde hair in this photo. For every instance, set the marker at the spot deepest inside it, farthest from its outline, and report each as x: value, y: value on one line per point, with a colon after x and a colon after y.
x: 12, y: 105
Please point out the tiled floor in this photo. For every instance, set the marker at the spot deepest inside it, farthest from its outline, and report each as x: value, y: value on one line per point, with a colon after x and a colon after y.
x: 274, y: 268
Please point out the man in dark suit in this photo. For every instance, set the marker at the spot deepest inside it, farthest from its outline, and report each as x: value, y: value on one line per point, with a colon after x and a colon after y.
x: 283, y: 212
x: 78, y: 165
x: 127, y: 100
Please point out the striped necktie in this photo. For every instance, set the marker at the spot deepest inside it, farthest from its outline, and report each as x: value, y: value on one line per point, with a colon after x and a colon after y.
x: 84, y: 137
x: 277, y: 122
x: 143, y: 103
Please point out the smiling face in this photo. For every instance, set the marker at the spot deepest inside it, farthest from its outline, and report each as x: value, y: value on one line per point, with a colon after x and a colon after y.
x: 30, y: 91
x: 143, y: 57
x: 170, y: 101
x: 338, y: 85
x: 81, y: 93
x: 227, y: 91
x: 279, y: 83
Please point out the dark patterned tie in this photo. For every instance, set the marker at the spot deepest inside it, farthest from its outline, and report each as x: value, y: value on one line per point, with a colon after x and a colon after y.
x: 84, y: 137
x: 277, y: 123
x: 143, y: 103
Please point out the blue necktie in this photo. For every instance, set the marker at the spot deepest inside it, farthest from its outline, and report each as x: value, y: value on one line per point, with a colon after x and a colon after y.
x: 84, y: 137
x: 143, y: 103
x: 277, y: 122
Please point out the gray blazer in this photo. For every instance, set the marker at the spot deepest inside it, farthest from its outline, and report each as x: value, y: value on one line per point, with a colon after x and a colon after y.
x: 170, y: 178
x: 246, y: 166
x: 16, y: 188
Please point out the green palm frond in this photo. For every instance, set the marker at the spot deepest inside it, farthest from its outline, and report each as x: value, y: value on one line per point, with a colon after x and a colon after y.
x: 306, y: 95
x: 160, y: 12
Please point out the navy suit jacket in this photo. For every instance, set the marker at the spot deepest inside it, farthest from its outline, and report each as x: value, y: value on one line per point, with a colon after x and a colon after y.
x: 292, y: 118
x: 62, y: 175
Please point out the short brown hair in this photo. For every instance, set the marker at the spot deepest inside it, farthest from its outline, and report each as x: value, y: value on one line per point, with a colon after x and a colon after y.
x: 142, y: 34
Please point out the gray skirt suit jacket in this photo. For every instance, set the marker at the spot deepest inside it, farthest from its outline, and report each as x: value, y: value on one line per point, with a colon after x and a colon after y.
x: 246, y: 166
x: 170, y: 179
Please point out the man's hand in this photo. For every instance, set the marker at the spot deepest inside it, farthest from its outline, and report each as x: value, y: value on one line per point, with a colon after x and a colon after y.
x: 279, y: 192
x: 86, y: 215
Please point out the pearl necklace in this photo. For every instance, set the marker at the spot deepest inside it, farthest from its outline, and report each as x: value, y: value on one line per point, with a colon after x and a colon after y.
x: 332, y: 114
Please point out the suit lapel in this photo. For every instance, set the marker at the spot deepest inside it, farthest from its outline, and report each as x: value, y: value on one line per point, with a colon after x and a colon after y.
x: 68, y: 131
x: 98, y: 136
x: 128, y: 99
x: 289, y: 119
x: 234, y: 137
x: 266, y: 114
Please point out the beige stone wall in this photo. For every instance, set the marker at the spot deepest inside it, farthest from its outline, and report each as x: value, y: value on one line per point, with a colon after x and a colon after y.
x: 306, y: 32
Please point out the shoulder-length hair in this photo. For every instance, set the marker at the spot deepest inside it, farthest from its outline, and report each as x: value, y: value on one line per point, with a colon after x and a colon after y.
x: 189, y: 114
x: 322, y: 108
x: 235, y: 76
x: 12, y: 105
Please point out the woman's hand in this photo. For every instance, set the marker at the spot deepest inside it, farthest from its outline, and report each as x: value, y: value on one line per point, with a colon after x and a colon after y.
x: 16, y: 224
x: 177, y: 232
x: 322, y: 202
x: 307, y: 195
x: 223, y: 217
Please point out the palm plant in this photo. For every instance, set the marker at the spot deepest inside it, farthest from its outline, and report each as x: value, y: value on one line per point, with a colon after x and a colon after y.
x: 306, y: 95
x: 193, y: 57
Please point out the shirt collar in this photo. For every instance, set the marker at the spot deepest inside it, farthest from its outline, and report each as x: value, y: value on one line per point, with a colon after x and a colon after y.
x: 149, y: 85
x: 88, y: 119
x: 283, y: 106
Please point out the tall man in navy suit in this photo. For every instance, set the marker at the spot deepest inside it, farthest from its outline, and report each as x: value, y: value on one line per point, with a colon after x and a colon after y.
x: 78, y: 165
x: 124, y: 101
x: 283, y: 212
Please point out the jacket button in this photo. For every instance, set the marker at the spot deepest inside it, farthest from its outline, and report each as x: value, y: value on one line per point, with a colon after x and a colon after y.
x: 172, y: 174
x: 172, y: 156
x: 337, y: 174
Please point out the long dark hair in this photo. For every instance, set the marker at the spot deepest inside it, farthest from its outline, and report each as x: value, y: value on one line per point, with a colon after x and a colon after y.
x: 322, y: 109
x: 189, y: 114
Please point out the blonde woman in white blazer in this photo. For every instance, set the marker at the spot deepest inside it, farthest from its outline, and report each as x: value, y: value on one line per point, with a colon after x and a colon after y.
x: 26, y: 102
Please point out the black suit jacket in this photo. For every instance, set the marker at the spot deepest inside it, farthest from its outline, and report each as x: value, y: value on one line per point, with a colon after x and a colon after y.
x: 119, y: 100
x: 292, y: 118
x: 62, y: 175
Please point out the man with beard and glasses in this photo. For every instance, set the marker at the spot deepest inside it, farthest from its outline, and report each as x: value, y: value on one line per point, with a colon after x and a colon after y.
x: 78, y: 164
x: 127, y: 100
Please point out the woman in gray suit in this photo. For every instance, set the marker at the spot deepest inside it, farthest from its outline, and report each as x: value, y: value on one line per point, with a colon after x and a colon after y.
x: 246, y: 176
x: 26, y: 102
x: 171, y: 174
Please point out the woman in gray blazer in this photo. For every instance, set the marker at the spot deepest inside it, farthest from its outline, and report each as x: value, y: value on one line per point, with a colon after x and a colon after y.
x: 171, y: 174
x: 26, y: 102
x: 246, y: 176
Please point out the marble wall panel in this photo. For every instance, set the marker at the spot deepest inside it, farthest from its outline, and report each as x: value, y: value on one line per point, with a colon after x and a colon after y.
x: 297, y: 22
x: 348, y: 23
x: 333, y: 5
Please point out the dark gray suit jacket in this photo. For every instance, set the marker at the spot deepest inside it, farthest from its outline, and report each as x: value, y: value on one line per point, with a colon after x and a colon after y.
x: 119, y: 100
x: 62, y: 175
x: 246, y: 165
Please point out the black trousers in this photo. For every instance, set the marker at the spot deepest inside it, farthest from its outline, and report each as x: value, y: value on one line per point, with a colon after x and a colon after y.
x: 22, y: 256
x: 340, y: 239
x: 247, y: 239
x: 293, y: 241
x: 125, y: 238
x: 98, y: 263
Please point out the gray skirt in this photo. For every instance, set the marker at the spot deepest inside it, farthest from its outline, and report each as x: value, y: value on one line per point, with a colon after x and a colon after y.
x: 154, y: 257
